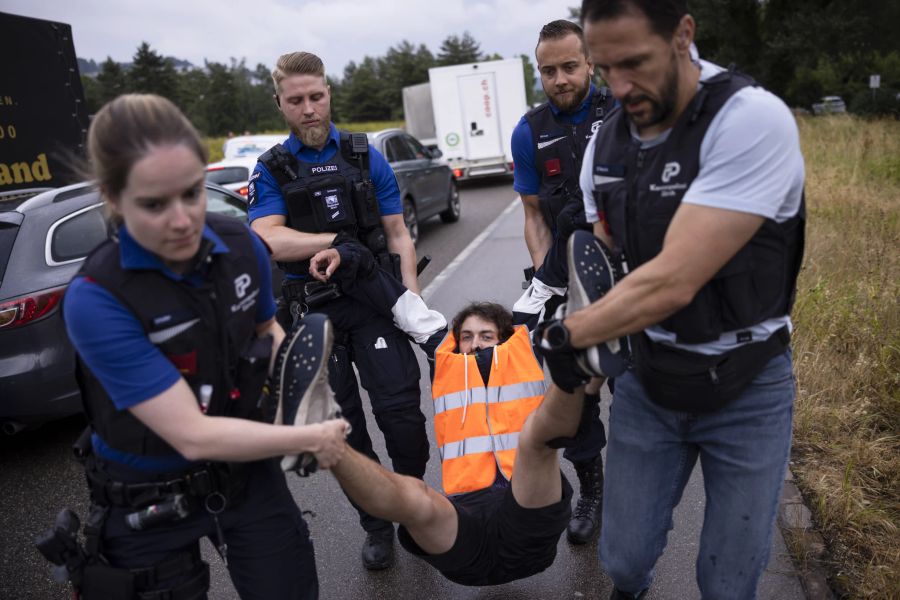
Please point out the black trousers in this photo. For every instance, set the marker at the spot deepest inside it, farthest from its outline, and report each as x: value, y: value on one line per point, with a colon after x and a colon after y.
x: 389, y: 372
x: 269, y: 553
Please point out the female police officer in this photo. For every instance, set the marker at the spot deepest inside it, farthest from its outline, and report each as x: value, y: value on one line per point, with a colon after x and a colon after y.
x: 173, y: 324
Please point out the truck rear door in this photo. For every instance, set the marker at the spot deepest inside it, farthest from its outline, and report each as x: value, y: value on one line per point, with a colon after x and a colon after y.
x: 478, y: 99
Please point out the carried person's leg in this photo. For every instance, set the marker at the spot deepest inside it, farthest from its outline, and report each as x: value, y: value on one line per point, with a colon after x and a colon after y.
x: 427, y: 515
x: 536, y: 478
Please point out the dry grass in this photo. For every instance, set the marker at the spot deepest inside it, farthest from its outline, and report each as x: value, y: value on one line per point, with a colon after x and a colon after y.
x: 214, y: 144
x: 847, y: 349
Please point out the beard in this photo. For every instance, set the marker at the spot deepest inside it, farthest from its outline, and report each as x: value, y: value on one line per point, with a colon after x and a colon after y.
x: 661, y: 109
x: 576, y: 98
x: 314, y: 136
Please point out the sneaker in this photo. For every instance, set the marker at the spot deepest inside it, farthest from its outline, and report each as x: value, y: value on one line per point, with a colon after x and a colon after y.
x: 301, y: 383
x: 591, y: 276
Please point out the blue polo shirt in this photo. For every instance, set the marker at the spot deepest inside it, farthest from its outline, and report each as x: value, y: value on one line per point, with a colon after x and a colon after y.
x: 526, y: 177
x: 264, y: 196
x: 111, y: 341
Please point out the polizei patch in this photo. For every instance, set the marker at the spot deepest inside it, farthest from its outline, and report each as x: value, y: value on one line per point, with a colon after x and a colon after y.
x: 318, y: 170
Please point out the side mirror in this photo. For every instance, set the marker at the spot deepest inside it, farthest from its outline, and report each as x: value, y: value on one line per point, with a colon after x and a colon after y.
x: 435, y: 152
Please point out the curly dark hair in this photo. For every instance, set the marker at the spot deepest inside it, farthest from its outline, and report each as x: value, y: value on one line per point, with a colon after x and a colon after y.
x: 489, y: 311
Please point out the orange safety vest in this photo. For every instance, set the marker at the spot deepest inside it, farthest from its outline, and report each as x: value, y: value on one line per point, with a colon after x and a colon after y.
x: 477, y: 426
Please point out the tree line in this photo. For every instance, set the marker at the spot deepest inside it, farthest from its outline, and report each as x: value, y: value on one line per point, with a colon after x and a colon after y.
x: 805, y: 49
x: 232, y: 98
x: 799, y: 49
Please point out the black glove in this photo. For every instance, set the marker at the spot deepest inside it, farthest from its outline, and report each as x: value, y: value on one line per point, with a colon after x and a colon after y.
x: 552, y: 342
x: 571, y: 217
x: 356, y: 259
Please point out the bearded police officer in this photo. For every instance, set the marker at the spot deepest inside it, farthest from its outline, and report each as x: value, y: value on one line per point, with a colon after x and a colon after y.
x: 699, y: 179
x: 548, y: 144
x: 322, y: 184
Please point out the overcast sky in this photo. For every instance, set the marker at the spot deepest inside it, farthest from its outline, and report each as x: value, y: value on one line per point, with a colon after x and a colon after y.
x: 339, y: 31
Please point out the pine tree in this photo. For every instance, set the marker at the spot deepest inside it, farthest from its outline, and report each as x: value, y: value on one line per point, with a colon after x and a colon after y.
x: 457, y: 51
x: 111, y: 81
x: 152, y: 73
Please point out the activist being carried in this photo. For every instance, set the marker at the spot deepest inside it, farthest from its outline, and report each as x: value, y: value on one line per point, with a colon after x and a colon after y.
x: 548, y: 144
x: 320, y: 186
x: 698, y: 178
x: 505, y: 500
x: 173, y: 324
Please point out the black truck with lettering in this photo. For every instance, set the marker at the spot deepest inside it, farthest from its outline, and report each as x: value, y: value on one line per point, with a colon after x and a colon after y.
x: 43, y: 116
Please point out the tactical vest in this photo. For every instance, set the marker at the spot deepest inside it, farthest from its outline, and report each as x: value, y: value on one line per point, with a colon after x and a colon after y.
x: 330, y: 197
x: 637, y: 192
x: 207, y: 332
x: 477, y: 425
x: 558, y: 150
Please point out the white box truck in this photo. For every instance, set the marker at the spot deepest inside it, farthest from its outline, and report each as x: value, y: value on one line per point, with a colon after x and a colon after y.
x: 475, y: 108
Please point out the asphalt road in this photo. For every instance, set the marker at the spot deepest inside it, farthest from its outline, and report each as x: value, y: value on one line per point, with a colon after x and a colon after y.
x: 37, y: 475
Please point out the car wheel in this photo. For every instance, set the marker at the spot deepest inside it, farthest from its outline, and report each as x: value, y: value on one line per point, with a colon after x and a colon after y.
x: 451, y: 215
x: 411, y: 219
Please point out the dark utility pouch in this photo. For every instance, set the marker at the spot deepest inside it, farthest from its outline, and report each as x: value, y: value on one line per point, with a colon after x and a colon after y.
x: 102, y: 582
x: 316, y: 293
x: 292, y: 289
x: 365, y: 204
x: 697, y: 383
x: 331, y: 204
x: 251, y: 374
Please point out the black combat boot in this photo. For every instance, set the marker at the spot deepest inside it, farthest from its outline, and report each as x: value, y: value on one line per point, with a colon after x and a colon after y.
x: 378, y: 550
x: 585, y: 522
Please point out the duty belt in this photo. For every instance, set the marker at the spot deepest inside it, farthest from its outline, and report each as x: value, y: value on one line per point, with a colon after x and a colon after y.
x: 226, y: 478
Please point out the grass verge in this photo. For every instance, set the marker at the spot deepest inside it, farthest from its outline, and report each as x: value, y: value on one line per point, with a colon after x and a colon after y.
x: 846, y: 455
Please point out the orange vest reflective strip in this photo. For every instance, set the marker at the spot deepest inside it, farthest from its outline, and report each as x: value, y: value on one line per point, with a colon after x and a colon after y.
x: 489, y: 395
x: 477, y: 426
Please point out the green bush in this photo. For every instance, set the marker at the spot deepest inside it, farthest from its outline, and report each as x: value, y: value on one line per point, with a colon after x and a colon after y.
x: 884, y: 102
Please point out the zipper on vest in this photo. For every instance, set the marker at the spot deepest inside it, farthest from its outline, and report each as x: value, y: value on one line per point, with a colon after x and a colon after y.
x: 631, y: 239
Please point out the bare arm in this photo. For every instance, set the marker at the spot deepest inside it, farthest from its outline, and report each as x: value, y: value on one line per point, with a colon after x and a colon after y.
x: 699, y: 241
x: 537, y: 234
x: 175, y: 416
x: 399, y: 242
x: 288, y: 244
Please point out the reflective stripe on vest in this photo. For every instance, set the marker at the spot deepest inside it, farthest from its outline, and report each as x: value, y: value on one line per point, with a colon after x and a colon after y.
x: 489, y: 395
x: 484, y: 443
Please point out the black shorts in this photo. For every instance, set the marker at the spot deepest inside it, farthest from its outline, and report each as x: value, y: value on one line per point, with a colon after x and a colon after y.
x: 501, y: 543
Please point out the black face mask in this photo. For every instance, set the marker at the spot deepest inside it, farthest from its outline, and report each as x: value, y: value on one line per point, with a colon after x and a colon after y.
x: 484, y: 358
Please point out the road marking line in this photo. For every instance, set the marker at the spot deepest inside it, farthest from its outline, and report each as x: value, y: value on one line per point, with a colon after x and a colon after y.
x: 432, y: 287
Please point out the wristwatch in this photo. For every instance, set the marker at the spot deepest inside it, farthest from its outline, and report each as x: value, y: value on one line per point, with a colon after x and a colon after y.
x: 556, y: 336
